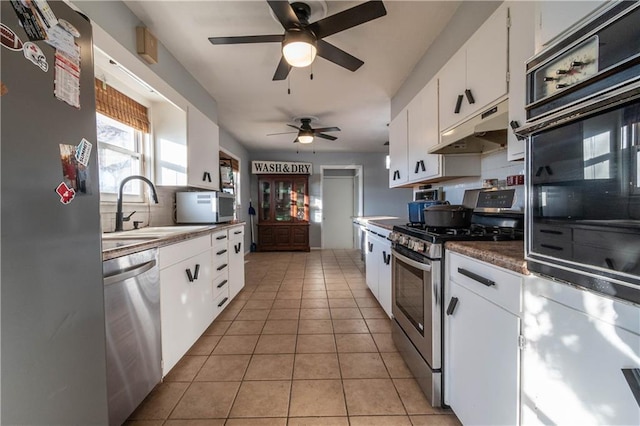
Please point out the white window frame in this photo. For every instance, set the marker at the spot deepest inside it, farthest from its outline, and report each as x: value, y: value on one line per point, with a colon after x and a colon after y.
x: 142, y: 142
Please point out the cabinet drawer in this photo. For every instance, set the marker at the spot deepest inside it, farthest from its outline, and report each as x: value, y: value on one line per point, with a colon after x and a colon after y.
x: 491, y: 282
x: 220, y: 285
x: 221, y: 301
x: 236, y: 233
x: 219, y: 238
x: 174, y: 253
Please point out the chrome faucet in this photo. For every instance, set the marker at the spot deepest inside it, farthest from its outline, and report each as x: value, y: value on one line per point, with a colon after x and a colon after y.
x: 119, y: 214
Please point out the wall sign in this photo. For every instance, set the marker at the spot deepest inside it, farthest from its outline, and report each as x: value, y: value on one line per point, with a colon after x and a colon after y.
x: 281, y: 167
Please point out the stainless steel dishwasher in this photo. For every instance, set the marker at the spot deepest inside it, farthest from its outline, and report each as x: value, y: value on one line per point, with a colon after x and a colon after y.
x: 132, y: 308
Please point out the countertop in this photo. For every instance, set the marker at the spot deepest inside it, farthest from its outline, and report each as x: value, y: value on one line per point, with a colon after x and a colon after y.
x: 386, y: 222
x: 506, y: 254
x: 117, y: 248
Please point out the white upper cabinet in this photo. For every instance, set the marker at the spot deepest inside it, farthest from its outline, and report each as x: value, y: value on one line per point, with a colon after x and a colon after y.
x: 203, y: 143
x: 521, y: 48
x: 477, y: 74
x: 423, y: 134
x: 554, y: 17
x: 398, y: 150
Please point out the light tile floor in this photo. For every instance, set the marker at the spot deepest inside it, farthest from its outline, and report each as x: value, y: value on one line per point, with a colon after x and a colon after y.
x: 305, y: 343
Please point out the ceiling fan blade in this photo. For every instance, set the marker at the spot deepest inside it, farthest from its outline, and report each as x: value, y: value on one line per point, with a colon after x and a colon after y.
x: 323, y: 136
x: 326, y: 129
x: 285, y: 13
x: 247, y: 39
x: 283, y: 133
x: 338, y: 56
x: 349, y: 18
x: 295, y: 127
x: 282, y: 71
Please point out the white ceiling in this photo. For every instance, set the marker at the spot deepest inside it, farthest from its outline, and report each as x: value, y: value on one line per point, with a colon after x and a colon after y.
x: 251, y: 105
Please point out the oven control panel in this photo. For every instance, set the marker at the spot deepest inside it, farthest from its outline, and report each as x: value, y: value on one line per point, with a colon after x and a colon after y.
x: 409, y: 242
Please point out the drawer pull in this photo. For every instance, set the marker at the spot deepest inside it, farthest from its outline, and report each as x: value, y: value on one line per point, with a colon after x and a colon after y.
x: 549, y: 246
x: 221, y: 237
x: 221, y: 252
x: 452, y: 305
x: 237, y: 232
x: 476, y: 277
x: 189, y: 275
x: 197, y: 271
x: 551, y: 231
x: 222, y: 284
x: 221, y: 267
x: 223, y: 302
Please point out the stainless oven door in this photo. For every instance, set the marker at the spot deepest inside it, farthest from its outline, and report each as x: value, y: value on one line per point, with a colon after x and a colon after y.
x: 417, y: 303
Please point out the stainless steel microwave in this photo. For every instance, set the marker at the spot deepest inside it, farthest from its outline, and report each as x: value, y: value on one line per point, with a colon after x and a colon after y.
x: 204, y: 207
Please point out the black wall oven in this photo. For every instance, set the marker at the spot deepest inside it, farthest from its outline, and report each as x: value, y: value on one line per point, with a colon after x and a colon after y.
x: 583, y: 156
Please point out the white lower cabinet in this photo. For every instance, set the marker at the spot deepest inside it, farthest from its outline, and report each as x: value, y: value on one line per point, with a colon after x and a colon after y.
x: 378, y: 266
x: 482, y: 334
x: 579, y: 346
x: 186, y: 299
x: 236, y: 260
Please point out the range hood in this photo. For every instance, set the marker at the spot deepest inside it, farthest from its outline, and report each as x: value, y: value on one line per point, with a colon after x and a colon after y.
x: 484, y: 132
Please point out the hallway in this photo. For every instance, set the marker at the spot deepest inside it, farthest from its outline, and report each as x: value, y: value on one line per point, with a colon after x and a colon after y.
x: 305, y: 343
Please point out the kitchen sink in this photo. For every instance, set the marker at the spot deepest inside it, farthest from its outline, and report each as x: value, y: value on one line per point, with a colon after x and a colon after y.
x: 152, y: 232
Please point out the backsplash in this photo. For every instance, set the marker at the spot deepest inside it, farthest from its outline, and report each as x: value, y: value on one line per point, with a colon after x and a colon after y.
x: 493, y: 166
x: 149, y: 213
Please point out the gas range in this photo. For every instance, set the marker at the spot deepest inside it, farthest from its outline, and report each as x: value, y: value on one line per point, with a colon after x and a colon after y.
x: 429, y: 241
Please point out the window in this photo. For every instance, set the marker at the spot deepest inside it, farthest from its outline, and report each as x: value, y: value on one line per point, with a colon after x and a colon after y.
x: 123, y: 134
x: 120, y: 154
x: 230, y: 178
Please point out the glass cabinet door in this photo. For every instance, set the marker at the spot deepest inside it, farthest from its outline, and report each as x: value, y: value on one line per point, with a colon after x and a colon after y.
x: 300, y: 201
x: 282, y: 200
x: 265, y: 193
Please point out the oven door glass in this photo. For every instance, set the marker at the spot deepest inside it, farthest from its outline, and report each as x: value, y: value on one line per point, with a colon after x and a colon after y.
x: 416, y: 302
x: 409, y: 290
x: 585, y: 191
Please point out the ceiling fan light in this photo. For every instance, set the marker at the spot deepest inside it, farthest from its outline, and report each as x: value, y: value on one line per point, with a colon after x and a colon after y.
x: 299, y: 48
x: 305, y: 138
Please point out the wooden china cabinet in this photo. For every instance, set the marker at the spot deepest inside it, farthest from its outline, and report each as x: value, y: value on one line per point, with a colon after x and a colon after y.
x: 283, y: 213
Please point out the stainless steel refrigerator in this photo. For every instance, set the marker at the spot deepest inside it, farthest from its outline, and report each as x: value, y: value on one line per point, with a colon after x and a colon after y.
x: 52, y: 299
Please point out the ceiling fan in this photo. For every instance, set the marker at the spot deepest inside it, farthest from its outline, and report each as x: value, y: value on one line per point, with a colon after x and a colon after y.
x: 306, y: 133
x: 302, y: 40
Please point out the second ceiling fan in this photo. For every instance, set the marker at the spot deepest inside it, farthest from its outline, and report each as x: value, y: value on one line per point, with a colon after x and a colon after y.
x: 302, y: 40
x: 306, y: 133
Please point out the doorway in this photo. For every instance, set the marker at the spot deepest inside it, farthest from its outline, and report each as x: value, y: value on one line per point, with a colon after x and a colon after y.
x: 341, y: 201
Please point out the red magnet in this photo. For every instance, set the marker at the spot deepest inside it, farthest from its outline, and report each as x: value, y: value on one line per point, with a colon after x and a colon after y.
x: 66, y: 194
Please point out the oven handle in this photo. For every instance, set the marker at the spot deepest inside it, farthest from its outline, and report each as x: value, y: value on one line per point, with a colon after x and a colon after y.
x: 422, y: 266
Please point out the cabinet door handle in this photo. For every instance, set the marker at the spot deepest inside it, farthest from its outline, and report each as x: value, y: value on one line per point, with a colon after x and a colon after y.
x: 469, y: 96
x: 221, y: 252
x: 422, y: 166
x: 223, y: 302
x: 222, y: 284
x: 417, y: 167
x: 197, y: 271
x: 549, y: 171
x: 476, y: 277
x: 539, y: 171
x: 221, y: 237
x: 370, y: 247
x: 632, y: 376
x: 189, y: 275
x: 458, y: 104
x: 452, y: 305
x: 610, y: 264
x: 237, y: 247
x: 206, y: 177
x: 221, y: 267
x: 386, y: 258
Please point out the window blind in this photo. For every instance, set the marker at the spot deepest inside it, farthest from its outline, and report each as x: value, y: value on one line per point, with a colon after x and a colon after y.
x: 119, y: 106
